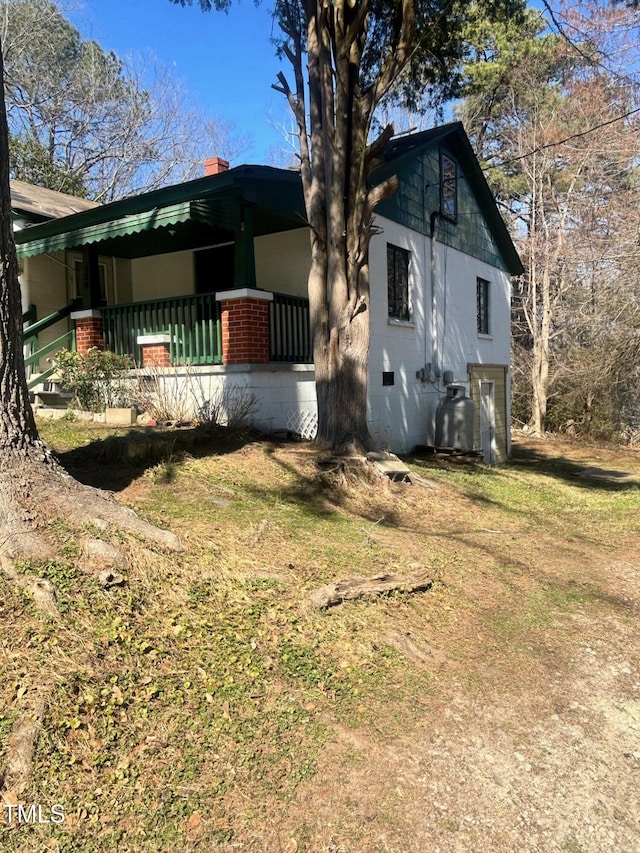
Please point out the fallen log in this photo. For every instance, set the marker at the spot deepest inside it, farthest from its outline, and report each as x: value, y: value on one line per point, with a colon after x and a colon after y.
x: 353, y: 588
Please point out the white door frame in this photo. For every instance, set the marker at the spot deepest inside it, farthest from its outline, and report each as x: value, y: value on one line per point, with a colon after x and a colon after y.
x: 487, y: 395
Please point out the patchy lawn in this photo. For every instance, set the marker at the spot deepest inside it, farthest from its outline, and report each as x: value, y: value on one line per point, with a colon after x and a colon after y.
x: 203, y: 705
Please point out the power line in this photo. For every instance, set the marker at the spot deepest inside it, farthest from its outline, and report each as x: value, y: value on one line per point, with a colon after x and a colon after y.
x: 563, y: 141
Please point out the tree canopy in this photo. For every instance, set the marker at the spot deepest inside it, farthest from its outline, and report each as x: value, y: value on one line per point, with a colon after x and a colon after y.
x: 86, y: 122
x: 555, y: 121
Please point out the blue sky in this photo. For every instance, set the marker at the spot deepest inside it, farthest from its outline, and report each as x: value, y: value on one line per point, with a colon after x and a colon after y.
x: 226, y: 61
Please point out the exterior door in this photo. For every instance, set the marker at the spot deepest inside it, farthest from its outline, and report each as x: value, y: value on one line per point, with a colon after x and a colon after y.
x: 488, y: 422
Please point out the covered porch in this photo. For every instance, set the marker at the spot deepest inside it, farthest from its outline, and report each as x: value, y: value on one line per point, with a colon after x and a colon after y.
x: 212, y: 328
x: 210, y: 272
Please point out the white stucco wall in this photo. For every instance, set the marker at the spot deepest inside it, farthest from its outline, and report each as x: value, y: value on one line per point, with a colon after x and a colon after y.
x: 282, y: 262
x: 403, y: 415
x: 162, y: 275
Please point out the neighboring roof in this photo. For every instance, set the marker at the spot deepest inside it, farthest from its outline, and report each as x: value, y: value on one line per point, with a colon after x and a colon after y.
x: 191, y: 210
x: 44, y: 204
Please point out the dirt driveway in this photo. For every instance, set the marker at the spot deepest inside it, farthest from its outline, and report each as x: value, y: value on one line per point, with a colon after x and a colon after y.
x: 530, y: 739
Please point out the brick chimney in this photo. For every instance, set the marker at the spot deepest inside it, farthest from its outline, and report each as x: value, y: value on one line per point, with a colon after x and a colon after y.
x: 215, y: 165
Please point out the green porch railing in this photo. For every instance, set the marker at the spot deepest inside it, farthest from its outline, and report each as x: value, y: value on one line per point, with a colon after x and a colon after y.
x: 289, y: 329
x: 193, y: 322
x: 194, y: 325
x: 66, y: 340
x: 31, y: 332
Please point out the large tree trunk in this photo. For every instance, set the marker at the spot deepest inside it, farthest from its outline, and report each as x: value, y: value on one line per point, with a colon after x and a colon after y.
x: 20, y: 445
x: 539, y: 385
x: 33, y: 486
x: 541, y: 359
x: 333, y: 115
x: 335, y: 171
x: 341, y: 354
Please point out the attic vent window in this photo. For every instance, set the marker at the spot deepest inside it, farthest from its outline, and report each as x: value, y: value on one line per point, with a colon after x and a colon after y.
x: 448, y: 187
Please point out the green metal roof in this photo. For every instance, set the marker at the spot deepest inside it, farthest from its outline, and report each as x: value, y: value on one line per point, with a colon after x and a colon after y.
x: 207, y: 210
x: 195, y: 211
x: 132, y: 224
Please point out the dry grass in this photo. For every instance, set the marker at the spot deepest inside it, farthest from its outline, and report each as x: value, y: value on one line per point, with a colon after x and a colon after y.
x: 204, y: 705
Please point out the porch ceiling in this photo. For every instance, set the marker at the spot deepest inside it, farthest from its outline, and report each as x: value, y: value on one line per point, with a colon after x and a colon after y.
x: 187, y: 216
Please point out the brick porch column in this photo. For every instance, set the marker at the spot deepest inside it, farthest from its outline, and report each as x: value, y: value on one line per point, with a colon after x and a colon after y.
x: 245, y: 325
x: 88, y: 330
x: 155, y: 350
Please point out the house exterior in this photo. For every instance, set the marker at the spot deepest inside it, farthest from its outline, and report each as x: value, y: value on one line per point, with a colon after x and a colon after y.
x: 209, y: 277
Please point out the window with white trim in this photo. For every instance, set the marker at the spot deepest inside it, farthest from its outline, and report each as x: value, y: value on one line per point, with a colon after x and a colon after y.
x: 398, y: 282
x: 482, y: 306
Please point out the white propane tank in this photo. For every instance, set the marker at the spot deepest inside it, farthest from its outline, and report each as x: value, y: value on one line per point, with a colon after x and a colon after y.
x: 454, y: 420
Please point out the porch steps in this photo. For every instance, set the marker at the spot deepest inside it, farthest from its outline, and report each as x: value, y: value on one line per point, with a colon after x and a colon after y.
x: 54, y: 399
x: 48, y: 394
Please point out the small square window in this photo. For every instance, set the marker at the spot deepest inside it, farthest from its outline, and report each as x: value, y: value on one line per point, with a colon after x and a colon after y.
x: 398, y: 282
x: 448, y: 187
x: 482, y: 306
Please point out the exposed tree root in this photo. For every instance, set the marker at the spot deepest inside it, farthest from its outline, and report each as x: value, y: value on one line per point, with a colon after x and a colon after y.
x: 16, y: 773
x: 32, y: 492
x: 35, y: 491
x: 354, y: 588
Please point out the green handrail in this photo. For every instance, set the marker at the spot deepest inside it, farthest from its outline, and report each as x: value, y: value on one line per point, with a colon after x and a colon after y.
x: 34, y: 330
x: 35, y: 357
x: 40, y: 377
x: 37, y: 378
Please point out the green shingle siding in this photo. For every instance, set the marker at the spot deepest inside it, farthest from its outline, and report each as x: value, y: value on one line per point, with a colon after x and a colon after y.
x: 419, y: 196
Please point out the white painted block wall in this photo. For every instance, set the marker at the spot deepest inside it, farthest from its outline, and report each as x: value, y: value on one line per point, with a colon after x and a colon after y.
x: 279, y: 390
x: 403, y: 415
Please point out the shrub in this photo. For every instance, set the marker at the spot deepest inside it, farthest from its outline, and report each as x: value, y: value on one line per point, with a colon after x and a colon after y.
x: 230, y: 405
x: 185, y: 397
x: 98, y: 379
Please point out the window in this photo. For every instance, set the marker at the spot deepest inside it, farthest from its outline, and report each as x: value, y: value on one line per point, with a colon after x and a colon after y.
x: 398, y: 282
x: 448, y: 187
x: 214, y: 268
x: 482, y: 301
x: 79, y: 274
